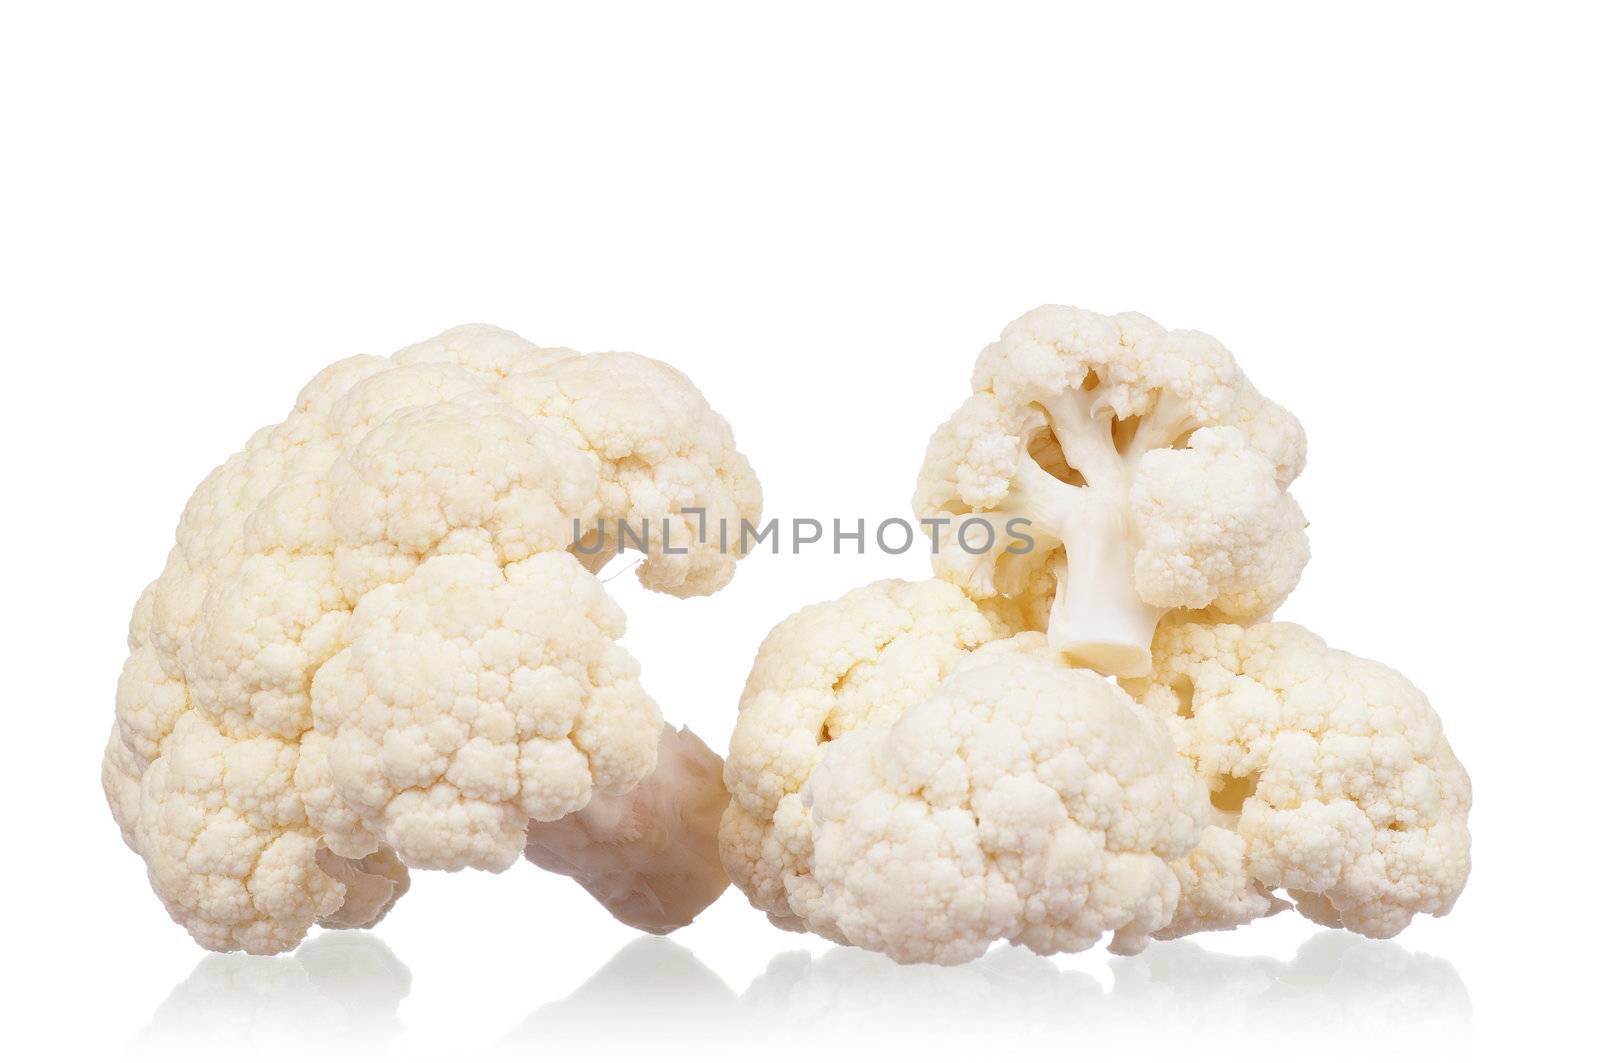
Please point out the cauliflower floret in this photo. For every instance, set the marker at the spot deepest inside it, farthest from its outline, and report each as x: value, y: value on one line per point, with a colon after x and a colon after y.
x: 1217, y: 530
x: 827, y: 670
x: 1024, y: 800
x: 223, y: 832
x: 896, y: 786
x: 1118, y: 470
x: 471, y: 699
x: 457, y: 478
x: 668, y: 466
x: 374, y: 641
x: 1330, y: 779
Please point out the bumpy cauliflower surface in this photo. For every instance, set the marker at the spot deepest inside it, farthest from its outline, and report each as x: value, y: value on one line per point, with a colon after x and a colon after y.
x: 373, y: 645
x: 894, y: 789
x: 1330, y: 778
x: 1112, y: 470
x: 829, y: 669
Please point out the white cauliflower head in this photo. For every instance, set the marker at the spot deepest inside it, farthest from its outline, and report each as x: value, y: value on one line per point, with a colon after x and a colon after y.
x: 1116, y: 471
x: 1330, y: 779
x: 909, y: 792
x: 374, y: 643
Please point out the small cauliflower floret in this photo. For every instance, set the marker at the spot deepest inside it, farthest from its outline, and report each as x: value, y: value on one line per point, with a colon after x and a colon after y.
x: 828, y: 670
x: 374, y: 643
x: 907, y: 778
x: 669, y: 470
x: 1122, y: 471
x: 226, y: 841
x: 1330, y: 779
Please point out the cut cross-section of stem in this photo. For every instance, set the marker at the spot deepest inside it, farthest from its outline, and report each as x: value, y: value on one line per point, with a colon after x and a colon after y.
x: 1097, y: 617
x: 649, y: 855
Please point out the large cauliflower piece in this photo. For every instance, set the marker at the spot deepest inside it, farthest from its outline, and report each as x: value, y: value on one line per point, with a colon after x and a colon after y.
x: 1330, y: 778
x: 896, y: 790
x: 1112, y: 471
x: 374, y: 647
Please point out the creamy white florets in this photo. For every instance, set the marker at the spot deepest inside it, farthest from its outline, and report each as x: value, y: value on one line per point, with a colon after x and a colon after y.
x: 829, y: 669
x: 1330, y: 775
x: 1147, y: 472
x: 896, y: 787
x: 1216, y: 530
x: 471, y: 699
x: 372, y: 646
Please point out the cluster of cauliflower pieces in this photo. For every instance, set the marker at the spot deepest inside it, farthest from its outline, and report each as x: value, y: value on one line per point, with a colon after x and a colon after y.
x: 1090, y: 728
x: 380, y: 644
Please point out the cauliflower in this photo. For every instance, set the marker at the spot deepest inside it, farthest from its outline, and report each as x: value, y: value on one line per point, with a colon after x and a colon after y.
x: 919, y: 768
x: 374, y: 647
x: 827, y: 670
x: 1330, y: 778
x: 1114, y: 471
x: 896, y: 787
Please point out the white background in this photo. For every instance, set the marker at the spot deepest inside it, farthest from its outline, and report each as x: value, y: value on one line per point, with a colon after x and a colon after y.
x: 820, y: 213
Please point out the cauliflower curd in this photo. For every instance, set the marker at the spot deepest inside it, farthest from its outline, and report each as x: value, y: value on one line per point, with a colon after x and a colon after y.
x: 380, y: 644
x: 372, y: 647
x: 1061, y: 738
x: 911, y: 774
x: 1330, y: 778
x: 896, y: 787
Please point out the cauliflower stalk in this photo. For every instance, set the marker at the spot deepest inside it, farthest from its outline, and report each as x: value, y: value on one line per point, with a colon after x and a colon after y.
x: 1116, y: 470
x: 648, y: 854
x: 373, y: 648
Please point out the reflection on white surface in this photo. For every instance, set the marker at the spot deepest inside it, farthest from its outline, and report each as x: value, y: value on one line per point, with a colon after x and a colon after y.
x: 1340, y: 995
x: 333, y: 997
x: 652, y: 993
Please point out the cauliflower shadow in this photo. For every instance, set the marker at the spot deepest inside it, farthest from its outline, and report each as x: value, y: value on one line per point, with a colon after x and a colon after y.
x: 335, y: 997
x: 1339, y: 996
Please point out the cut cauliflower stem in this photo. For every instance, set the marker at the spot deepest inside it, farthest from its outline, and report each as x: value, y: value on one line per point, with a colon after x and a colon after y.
x: 1117, y: 470
x: 1330, y: 778
x: 645, y: 854
x: 372, y: 647
x: 896, y: 787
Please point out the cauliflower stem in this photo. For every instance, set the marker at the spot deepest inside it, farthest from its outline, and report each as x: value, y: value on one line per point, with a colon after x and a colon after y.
x: 1123, y: 471
x: 1096, y: 617
x: 649, y: 855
